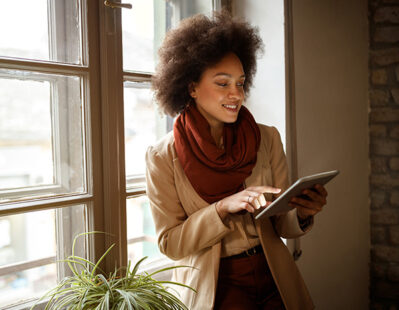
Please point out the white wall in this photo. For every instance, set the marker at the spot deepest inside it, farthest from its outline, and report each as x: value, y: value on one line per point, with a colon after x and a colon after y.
x: 331, y: 80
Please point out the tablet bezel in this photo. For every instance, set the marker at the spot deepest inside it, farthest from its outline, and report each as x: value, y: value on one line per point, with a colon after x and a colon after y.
x: 280, y: 205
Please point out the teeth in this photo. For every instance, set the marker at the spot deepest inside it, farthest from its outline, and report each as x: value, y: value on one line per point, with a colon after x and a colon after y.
x: 230, y: 106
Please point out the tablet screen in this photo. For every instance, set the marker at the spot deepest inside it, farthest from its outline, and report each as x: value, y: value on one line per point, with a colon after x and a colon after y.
x: 280, y: 205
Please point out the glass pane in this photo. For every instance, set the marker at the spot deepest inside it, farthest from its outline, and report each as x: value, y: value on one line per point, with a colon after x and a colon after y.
x: 138, y: 36
x: 143, y: 127
x: 141, y: 235
x: 41, y: 29
x: 31, y: 239
x: 145, y: 25
x: 41, y: 135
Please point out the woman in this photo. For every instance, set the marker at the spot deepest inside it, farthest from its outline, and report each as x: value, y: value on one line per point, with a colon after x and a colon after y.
x: 208, y: 179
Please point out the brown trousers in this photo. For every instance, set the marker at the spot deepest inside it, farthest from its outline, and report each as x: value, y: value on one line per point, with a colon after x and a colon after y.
x: 246, y: 284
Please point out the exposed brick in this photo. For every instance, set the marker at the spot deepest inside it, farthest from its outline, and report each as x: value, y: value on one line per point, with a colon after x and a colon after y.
x: 385, y: 217
x: 384, y: 181
x: 385, y: 253
x: 394, y: 198
x: 394, y: 235
x: 394, y: 163
x: 379, y: 165
x: 379, y: 97
x: 387, y: 14
x: 377, y: 198
x: 386, y: 289
x: 378, y: 270
x: 394, y: 133
x: 378, y: 131
x: 378, y: 235
x: 384, y: 147
x: 384, y: 153
x: 385, y: 57
x: 393, y: 273
x: 395, y: 95
x: 379, y: 77
x: 384, y: 115
x: 376, y: 306
x: 387, y: 34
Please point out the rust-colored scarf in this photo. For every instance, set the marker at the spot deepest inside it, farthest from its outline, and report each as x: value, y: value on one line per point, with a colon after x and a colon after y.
x: 213, y: 172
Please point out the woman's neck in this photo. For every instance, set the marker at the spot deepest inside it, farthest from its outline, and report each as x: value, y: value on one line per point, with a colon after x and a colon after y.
x: 217, y: 134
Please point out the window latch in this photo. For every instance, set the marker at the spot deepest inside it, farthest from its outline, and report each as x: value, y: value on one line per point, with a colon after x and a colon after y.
x: 118, y: 5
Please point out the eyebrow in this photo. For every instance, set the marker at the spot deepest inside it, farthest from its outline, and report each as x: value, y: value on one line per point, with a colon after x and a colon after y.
x: 227, y: 74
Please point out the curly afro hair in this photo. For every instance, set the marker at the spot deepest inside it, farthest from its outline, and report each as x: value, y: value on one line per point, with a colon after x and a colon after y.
x: 198, y: 43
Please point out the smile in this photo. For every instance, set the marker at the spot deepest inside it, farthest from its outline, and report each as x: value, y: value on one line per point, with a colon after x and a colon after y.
x: 231, y: 107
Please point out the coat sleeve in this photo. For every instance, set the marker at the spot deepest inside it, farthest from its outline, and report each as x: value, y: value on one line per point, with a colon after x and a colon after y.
x: 286, y: 225
x: 179, y: 235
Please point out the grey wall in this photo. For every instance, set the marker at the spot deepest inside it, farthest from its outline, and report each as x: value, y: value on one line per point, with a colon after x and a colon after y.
x: 331, y: 91
x: 331, y: 78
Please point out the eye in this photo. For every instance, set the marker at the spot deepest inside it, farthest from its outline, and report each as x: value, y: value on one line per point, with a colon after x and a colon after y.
x: 221, y: 84
x: 240, y: 84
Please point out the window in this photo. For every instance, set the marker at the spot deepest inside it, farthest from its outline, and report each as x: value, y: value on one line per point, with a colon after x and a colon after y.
x: 76, y: 116
x: 143, y: 30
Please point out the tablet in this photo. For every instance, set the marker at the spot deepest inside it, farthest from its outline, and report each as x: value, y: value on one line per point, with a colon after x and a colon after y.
x: 280, y: 205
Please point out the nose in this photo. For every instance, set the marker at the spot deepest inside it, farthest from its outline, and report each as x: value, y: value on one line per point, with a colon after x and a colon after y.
x: 236, y: 93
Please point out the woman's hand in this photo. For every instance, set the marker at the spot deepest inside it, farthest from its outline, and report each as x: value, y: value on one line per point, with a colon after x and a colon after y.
x: 248, y: 199
x: 312, y: 204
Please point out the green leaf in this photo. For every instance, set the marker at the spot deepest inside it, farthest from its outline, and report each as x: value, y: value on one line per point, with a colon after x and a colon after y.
x: 127, y: 299
x: 102, y: 257
x: 88, y: 288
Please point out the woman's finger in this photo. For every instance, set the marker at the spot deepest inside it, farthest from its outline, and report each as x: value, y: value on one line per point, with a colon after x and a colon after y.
x: 253, y: 200
x: 321, y: 189
x: 303, y: 210
x: 265, y: 189
x: 306, y: 203
x: 315, y: 196
x: 251, y: 193
x: 248, y: 207
x: 257, y: 203
x: 262, y: 200
x: 257, y: 196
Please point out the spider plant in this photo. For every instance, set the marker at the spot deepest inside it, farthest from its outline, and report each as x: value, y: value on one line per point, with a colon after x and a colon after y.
x: 122, y: 289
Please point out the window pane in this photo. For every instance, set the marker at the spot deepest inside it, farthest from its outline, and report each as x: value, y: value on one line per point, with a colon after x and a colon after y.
x: 41, y: 29
x: 41, y: 135
x: 141, y: 235
x: 29, y: 243
x: 145, y: 25
x: 138, y: 36
x: 143, y: 127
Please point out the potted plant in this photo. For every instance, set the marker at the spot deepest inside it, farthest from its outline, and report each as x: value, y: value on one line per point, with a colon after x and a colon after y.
x: 89, y: 288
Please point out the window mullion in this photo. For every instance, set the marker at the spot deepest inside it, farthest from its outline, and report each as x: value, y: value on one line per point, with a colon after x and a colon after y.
x: 113, y: 135
x: 93, y: 134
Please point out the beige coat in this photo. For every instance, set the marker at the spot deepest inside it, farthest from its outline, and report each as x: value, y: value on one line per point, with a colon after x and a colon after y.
x: 190, y: 231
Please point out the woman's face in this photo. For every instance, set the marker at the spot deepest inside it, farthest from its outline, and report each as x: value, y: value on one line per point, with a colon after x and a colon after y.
x: 219, y: 93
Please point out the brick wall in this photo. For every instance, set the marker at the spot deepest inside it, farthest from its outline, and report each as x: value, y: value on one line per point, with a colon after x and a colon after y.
x: 384, y: 153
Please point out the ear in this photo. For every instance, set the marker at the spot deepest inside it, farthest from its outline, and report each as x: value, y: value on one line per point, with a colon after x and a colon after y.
x: 192, y: 90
